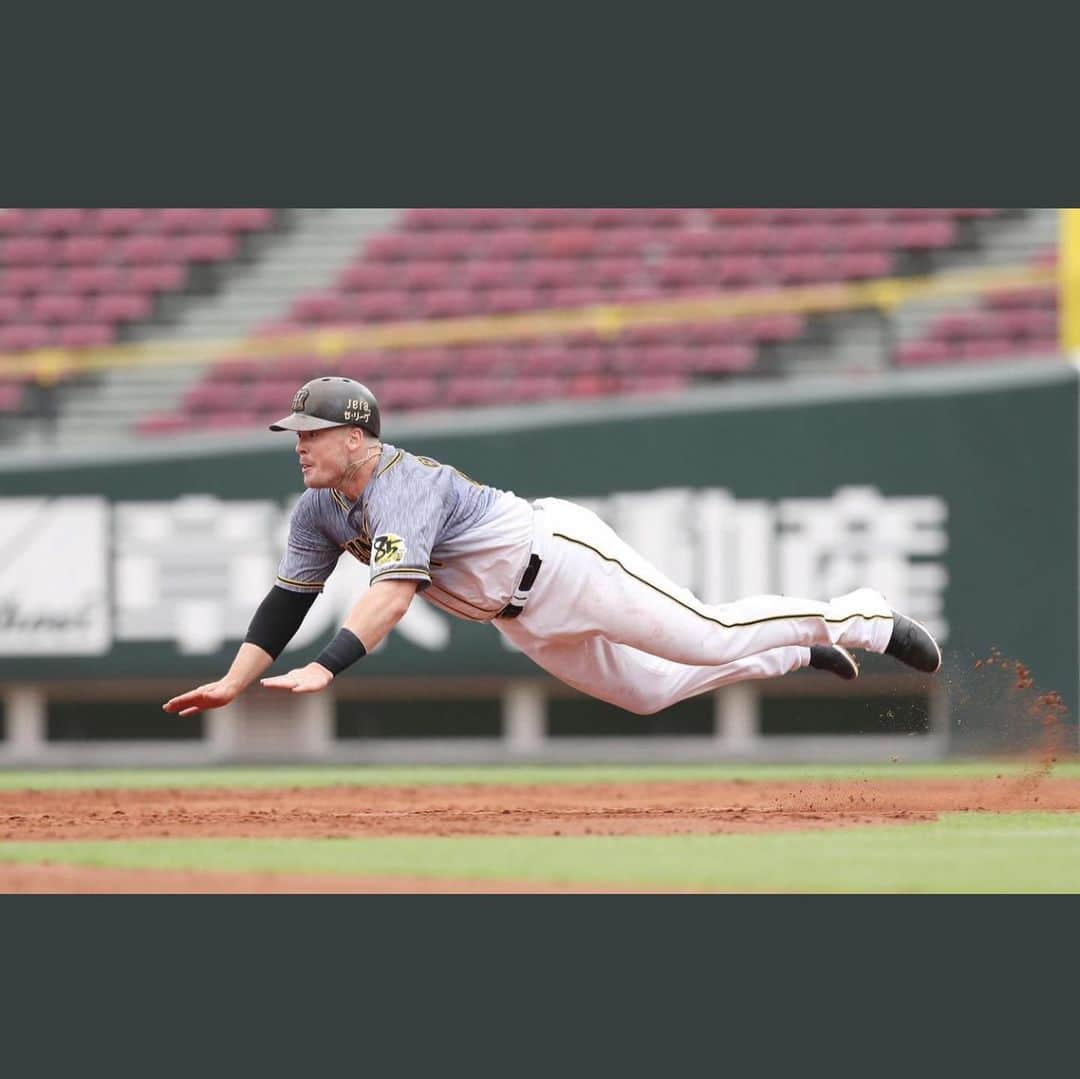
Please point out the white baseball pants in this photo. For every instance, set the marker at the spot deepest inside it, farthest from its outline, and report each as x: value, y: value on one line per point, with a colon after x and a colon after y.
x: 601, y: 618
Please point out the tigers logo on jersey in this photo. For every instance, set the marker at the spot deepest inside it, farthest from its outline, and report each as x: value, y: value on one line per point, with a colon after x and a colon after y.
x: 387, y: 550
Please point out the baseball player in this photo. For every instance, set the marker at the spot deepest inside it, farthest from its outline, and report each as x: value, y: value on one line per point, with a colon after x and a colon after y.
x: 549, y: 575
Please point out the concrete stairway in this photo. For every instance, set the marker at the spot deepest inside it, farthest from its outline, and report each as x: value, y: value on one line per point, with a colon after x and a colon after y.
x: 1011, y: 241
x: 314, y: 250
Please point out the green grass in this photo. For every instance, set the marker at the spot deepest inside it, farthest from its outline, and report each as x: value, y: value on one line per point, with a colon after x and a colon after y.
x: 365, y: 776
x: 962, y: 852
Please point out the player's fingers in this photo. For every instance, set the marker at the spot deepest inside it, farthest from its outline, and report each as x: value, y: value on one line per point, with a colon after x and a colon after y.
x: 190, y: 711
x: 281, y: 681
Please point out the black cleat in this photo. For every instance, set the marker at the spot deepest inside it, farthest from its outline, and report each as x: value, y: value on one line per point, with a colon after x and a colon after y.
x: 835, y: 660
x: 911, y: 643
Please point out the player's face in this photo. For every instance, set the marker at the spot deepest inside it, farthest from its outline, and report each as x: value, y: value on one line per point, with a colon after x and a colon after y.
x: 324, y: 455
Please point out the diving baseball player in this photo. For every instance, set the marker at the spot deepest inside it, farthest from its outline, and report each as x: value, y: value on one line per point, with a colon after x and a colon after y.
x: 549, y: 575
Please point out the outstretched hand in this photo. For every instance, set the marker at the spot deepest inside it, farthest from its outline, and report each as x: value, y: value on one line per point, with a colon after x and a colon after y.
x: 203, y: 698
x: 309, y: 679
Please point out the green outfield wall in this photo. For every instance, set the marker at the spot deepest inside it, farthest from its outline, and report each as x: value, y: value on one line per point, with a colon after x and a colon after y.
x: 956, y: 495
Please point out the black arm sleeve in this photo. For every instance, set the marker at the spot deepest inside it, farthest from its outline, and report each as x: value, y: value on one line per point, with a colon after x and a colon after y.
x: 278, y: 618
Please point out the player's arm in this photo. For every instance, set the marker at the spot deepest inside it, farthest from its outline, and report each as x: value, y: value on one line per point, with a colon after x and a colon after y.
x: 372, y: 617
x: 273, y: 625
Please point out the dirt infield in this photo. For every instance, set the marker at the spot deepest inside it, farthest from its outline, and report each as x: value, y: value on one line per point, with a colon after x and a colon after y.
x: 667, y: 808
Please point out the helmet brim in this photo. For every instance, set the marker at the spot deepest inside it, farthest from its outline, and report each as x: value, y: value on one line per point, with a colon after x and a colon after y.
x: 298, y: 421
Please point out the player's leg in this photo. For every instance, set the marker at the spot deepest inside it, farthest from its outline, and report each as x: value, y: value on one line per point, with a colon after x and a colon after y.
x: 593, y: 584
x: 638, y: 681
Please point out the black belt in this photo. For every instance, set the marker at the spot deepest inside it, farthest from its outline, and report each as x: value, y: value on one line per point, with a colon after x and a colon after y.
x: 528, y: 578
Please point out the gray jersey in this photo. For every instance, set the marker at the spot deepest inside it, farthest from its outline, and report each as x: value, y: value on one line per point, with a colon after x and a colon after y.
x: 464, y: 543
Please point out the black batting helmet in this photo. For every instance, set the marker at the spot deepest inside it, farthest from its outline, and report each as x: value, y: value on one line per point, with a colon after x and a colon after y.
x: 332, y: 402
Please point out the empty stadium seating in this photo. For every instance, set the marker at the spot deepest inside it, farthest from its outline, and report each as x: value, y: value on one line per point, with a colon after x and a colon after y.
x: 1002, y: 325
x: 73, y: 278
x: 445, y: 263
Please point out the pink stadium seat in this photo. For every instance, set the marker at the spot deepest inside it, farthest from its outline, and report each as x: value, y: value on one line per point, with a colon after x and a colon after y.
x: 13, y: 221
x: 10, y: 306
x: 424, y: 217
x: 208, y: 247
x: 21, y: 337
x: 536, y: 388
x: 239, y: 219
x: 710, y: 333
x: 548, y: 217
x: 853, y: 265
x: 487, y: 218
x: 697, y: 241
x: 85, y: 335
x: 452, y: 244
x: 83, y: 250
x: 684, y: 270
x: 191, y: 220
x: 54, y: 307
x: 119, y: 220
x: 1042, y: 345
x: 803, y: 269
x: 27, y: 251
x: 743, y: 270
x: 986, y: 349
x: 630, y: 242
x: 915, y: 213
x: 394, y: 246
x: 866, y: 236
x: 502, y: 300
x: 120, y: 307
x: 576, y: 296
x: 11, y: 397
x: 475, y: 391
x: 738, y: 215
x: 52, y: 222
x: 1037, y: 296
x: 612, y: 271
x: 927, y: 234
x: 551, y: 273
x: 423, y: 363
x: 569, y: 242
x: 164, y: 277
x: 19, y: 280
x: 721, y: 358
x: 405, y: 395
x: 446, y: 303
x: 163, y: 423
x: 591, y: 386
x: 382, y: 306
x: 492, y: 274
x: 145, y: 249
x: 318, y: 307
x: 426, y: 275
x: 237, y: 420
x: 914, y: 353
x: 269, y: 394
x: 808, y: 238
x: 364, y: 276
x: 85, y: 279
x: 780, y: 327
x: 515, y: 243
x: 295, y: 369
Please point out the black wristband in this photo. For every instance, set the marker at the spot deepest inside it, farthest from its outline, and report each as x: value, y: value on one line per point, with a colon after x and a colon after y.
x: 278, y: 618
x: 345, y: 649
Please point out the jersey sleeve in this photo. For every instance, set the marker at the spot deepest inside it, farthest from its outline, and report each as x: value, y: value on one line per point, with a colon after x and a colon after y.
x: 310, y: 555
x: 404, y: 522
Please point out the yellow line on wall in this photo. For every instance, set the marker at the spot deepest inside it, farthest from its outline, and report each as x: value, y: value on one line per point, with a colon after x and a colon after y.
x: 605, y: 319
